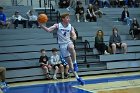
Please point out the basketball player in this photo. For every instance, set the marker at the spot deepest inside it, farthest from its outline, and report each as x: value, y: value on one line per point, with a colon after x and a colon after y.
x: 64, y: 32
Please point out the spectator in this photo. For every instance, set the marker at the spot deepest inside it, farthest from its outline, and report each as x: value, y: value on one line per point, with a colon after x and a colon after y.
x: 105, y: 3
x: 116, y: 42
x: 134, y: 29
x: 132, y: 3
x: 121, y: 3
x: 3, y: 21
x: 125, y: 17
x: 91, y: 14
x: 66, y: 66
x: 56, y: 63
x: 32, y: 19
x: 63, y: 3
x: 3, y: 85
x: 43, y: 60
x: 18, y: 19
x: 80, y: 12
x: 99, y: 43
x: 114, y: 3
x: 72, y: 5
x: 94, y: 2
x: 97, y: 10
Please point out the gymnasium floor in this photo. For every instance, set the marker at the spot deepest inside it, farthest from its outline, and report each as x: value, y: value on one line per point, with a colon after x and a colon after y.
x: 112, y: 83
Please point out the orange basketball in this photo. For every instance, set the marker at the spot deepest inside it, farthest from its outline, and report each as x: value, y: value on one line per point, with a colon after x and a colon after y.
x: 42, y: 18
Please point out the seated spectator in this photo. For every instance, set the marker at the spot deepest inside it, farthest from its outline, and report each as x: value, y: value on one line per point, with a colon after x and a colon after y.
x: 125, y: 17
x: 116, y: 42
x: 121, y: 3
x: 63, y: 3
x: 134, y: 29
x: 132, y: 3
x: 3, y: 22
x: 94, y: 2
x: 91, y: 14
x: 66, y: 67
x: 99, y: 43
x: 43, y: 60
x: 3, y: 85
x: 105, y: 3
x: 56, y: 63
x: 97, y: 10
x: 18, y: 19
x: 114, y: 3
x: 32, y: 19
x: 80, y: 12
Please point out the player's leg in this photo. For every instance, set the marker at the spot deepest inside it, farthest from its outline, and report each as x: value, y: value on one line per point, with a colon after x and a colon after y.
x: 73, y: 55
x: 72, y: 64
x: 69, y: 60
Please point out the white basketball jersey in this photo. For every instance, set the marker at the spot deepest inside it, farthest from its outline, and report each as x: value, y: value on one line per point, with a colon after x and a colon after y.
x: 63, y: 33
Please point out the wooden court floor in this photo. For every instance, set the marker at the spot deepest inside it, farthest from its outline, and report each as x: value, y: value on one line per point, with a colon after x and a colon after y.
x: 111, y: 83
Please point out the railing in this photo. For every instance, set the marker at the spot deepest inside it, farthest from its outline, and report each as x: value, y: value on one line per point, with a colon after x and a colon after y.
x: 58, y: 16
x: 86, y: 49
x: 51, y: 9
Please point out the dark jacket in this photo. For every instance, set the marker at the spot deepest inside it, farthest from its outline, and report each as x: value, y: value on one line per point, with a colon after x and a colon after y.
x: 98, y: 41
x: 132, y: 26
x: 114, y: 39
x: 124, y: 16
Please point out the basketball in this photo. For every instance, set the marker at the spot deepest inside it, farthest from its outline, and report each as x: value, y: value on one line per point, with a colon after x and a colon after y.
x: 42, y: 18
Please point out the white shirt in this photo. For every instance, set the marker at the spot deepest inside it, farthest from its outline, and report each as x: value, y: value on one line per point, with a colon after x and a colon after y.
x: 55, y: 59
x: 19, y: 17
x: 64, y: 33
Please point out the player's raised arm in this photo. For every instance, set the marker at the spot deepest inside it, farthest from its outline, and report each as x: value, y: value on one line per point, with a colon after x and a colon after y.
x: 42, y: 19
x: 49, y: 29
x: 73, y: 34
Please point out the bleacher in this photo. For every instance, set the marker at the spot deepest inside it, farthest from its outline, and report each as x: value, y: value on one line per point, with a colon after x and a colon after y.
x: 19, y: 48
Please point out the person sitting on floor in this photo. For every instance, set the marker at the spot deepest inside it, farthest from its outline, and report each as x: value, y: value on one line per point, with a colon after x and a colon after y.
x: 99, y: 43
x: 116, y: 42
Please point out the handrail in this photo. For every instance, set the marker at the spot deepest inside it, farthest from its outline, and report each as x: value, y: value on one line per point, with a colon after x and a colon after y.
x: 51, y: 9
x: 87, y: 44
x: 86, y: 48
x: 58, y: 16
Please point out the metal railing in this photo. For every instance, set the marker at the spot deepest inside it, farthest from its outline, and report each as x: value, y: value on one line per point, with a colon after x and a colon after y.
x: 51, y: 9
x: 86, y: 49
x: 58, y: 16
